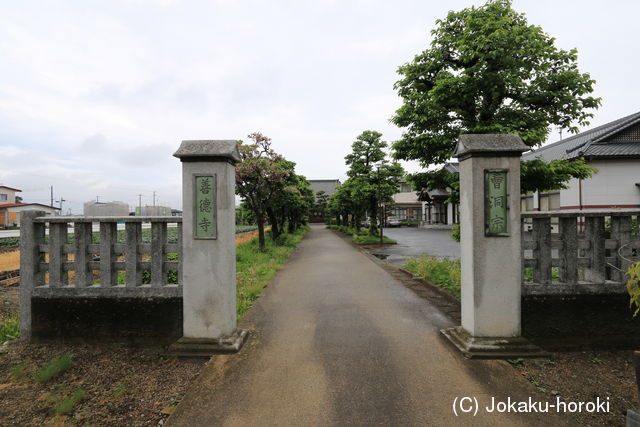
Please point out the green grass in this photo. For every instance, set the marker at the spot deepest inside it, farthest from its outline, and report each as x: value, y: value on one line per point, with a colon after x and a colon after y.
x: 54, y: 368
x: 255, y: 268
x: 66, y: 405
x: 18, y: 371
x: 444, y: 273
x: 9, y: 242
x: 119, y: 390
x: 9, y: 328
x: 528, y: 274
x: 371, y: 240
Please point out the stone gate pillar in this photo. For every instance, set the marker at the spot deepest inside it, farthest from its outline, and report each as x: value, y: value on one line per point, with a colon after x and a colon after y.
x: 208, y: 249
x: 490, y: 248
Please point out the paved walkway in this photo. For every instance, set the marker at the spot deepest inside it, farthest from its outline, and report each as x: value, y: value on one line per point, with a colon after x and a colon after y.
x: 336, y: 341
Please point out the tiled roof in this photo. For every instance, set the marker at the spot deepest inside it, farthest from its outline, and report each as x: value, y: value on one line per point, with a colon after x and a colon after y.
x: 406, y: 198
x: 592, y: 143
x: 329, y: 186
x: 452, y: 167
x: 13, y: 205
x: 10, y: 188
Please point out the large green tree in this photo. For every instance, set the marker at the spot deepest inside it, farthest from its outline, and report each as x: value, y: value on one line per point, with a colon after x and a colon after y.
x: 372, y: 178
x: 488, y: 71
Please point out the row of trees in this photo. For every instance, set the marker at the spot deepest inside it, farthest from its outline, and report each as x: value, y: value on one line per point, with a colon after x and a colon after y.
x: 372, y: 179
x: 270, y: 188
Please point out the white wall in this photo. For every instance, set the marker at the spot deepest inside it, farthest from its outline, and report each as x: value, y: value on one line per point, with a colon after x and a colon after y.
x: 49, y: 211
x: 11, y: 196
x: 614, y: 184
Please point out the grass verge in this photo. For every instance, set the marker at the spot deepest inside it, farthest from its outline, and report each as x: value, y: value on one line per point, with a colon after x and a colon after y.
x: 371, y: 240
x: 362, y: 236
x: 9, y: 328
x: 255, y: 268
x: 444, y: 273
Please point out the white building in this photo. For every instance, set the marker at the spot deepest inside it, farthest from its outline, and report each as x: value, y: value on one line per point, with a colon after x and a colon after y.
x: 10, y: 210
x: 93, y: 208
x: 437, y: 212
x: 614, y: 149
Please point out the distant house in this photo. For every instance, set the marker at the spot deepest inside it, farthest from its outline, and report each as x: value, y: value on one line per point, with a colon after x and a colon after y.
x: 613, y: 148
x: 406, y: 206
x: 436, y: 211
x: 329, y: 187
x: 10, y: 210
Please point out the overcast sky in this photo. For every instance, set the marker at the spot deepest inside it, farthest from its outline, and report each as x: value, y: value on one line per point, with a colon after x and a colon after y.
x: 96, y: 96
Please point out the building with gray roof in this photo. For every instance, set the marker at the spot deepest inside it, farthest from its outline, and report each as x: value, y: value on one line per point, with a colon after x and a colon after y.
x: 614, y: 149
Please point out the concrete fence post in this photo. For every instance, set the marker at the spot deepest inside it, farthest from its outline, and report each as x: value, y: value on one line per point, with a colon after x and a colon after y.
x: 31, y: 235
x: 490, y: 252
x: 208, y: 249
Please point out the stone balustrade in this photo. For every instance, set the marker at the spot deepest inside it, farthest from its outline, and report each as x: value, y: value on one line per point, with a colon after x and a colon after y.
x: 573, y: 252
x: 102, y: 262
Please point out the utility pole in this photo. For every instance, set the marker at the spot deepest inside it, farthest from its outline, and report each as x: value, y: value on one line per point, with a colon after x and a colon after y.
x: 140, y: 203
x: 154, y: 198
x: 51, y: 196
x: 61, y: 200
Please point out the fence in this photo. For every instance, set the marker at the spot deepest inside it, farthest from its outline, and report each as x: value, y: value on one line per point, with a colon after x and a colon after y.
x: 571, y: 252
x: 103, y: 264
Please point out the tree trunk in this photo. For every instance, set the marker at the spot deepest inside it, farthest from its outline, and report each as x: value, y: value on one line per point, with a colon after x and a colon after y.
x: 260, y: 221
x: 275, y: 231
x: 283, y: 218
x: 373, y: 217
x: 292, y: 224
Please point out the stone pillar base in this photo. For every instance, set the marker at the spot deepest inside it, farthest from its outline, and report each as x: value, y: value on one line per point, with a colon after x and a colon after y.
x: 492, y: 347
x: 207, y: 347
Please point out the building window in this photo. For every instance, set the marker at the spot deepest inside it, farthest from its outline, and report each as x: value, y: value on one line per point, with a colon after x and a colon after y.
x: 399, y: 213
x: 3, y: 197
x: 405, y: 187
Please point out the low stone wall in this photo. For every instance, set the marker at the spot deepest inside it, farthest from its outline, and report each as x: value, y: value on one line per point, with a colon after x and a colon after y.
x: 580, y: 321
x: 155, y: 320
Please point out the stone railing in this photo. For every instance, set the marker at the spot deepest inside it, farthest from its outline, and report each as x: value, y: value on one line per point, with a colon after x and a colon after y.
x: 578, y: 252
x: 87, y: 257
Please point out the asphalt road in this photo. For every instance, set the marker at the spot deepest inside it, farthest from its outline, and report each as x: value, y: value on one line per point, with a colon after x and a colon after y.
x: 337, y: 341
x: 413, y: 242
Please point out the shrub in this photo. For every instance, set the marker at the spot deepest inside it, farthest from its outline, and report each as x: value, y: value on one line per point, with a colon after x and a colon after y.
x: 371, y: 240
x: 443, y: 273
x: 455, y: 232
x: 633, y: 286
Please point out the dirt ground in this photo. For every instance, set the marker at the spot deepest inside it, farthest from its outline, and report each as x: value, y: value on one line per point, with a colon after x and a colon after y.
x: 120, y: 385
x: 583, y: 376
